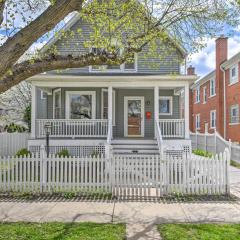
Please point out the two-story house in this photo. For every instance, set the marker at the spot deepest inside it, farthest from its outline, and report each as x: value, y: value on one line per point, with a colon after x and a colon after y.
x: 133, y: 107
x: 215, y: 98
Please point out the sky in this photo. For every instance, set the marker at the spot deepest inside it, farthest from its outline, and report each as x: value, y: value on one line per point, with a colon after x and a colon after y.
x: 204, y: 61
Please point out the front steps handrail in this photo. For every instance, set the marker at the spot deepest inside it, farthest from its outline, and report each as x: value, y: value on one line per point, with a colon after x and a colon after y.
x: 159, y: 137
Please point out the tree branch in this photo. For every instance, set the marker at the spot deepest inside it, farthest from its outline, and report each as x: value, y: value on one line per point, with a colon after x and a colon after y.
x: 2, y: 5
x: 28, y: 69
x: 16, y: 46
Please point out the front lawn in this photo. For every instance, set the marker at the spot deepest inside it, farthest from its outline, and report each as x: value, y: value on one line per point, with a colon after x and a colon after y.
x: 200, y: 231
x: 63, y: 231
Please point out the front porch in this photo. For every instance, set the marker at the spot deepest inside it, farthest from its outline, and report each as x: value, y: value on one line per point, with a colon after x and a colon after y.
x: 98, y: 111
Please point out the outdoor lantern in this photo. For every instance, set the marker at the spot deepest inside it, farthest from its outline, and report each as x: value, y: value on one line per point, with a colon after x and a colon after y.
x: 48, y: 130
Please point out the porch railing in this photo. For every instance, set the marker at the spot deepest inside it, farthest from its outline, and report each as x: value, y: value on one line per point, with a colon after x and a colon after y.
x: 159, y: 138
x: 73, y: 128
x: 172, y: 128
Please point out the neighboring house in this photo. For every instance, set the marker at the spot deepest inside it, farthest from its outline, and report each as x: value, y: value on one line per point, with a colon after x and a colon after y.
x: 122, y: 106
x: 215, y: 98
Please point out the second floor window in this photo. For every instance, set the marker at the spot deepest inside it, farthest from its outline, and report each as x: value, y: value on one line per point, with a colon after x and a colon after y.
x: 204, y: 94
x: 198, y: 122
x: 197, y: 100
x: 212, y: 87
x: 233, y: 75
x: 234, y: 114
x: 213, y: 119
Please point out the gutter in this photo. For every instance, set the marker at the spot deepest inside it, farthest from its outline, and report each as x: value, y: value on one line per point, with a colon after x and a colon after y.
x: 224, y: 102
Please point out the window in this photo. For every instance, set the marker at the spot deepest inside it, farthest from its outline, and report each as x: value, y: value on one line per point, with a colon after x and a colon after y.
x: 165, y: 105
x: 233, y: 75
x: 213, y: 119
x: 57, y: 104
x: 43, y: 95
x: 198, y: 95
x: 212, y: 87
x: 81, y: 104
x: 234, y: 114
x: 129, y: 66
x: 105, y: 105
x: 204, y: 94
x: 198, y: 122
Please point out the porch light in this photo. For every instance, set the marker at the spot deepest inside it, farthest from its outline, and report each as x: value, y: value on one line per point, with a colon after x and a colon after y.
x: 48, y: 130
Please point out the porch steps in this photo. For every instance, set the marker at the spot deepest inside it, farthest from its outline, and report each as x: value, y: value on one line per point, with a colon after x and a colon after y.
x: 134, y: 146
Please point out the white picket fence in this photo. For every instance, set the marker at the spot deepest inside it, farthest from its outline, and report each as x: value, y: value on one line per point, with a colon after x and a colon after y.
x: 127, y: 176
x: 215, y: 144
x: 10, y: 143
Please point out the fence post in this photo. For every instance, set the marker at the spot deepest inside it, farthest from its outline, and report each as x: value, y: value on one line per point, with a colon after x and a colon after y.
x: 227, y: 155
x: 43, y: 168
x: 230, y: 147
x: 215, y: 141
x: 196, y: 139
x: 205, y: 141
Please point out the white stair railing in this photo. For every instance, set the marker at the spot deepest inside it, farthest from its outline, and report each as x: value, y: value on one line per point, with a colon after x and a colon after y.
x: 159, y: 137
x: 109, y: 140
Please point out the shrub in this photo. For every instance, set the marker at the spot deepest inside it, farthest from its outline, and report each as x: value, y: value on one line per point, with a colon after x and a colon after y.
x: 27, y: 117
x: 23, y: 152
x: 63, y: 153
x: 12, y: 127
x: 202, y: 153
x: 95, y: 154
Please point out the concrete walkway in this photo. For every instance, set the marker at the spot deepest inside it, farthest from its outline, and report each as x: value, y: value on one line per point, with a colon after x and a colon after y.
x: 141, y: 217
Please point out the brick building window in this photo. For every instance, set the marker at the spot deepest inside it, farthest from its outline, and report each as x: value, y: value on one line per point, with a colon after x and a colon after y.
x: 234, y: 114
x: 213, y: 119
x: 233, y: 75
x: 197, y: 100
x: 204, y: 94
x: 212, y: 87
x: 198, y: 122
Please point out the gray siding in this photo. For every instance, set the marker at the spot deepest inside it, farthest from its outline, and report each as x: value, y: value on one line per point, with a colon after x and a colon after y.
x: 118, y: 130
x: 150, y: 64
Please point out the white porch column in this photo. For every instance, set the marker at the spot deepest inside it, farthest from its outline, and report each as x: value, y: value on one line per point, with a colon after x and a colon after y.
x: 186, y: 111
x: 110, y: 104
x: 33, y: 112
x: 156, y: 107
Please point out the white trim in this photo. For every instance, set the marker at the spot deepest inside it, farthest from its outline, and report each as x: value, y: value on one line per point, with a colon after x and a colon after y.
x: 170, y: 98
x: 33, y: 112
x: 211, y: 119
x: 67, y: 102
x: 126, y: 98
x: 197, y: 95
x: 54, y: 93
x: 156, y: 109
x: 186, y: 112
x: 234, y: 106
x: 113, y: 104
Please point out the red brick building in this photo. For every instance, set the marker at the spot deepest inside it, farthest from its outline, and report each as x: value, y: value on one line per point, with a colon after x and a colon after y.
x: 215, y: 98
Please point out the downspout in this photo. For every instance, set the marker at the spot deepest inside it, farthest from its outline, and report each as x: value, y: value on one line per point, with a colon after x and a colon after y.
x: 224, y: 102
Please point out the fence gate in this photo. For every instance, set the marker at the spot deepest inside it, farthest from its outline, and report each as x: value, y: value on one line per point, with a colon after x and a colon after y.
x: 138, y: 176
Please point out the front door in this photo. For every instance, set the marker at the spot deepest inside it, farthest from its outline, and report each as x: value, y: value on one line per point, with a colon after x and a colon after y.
x: 134, y: 116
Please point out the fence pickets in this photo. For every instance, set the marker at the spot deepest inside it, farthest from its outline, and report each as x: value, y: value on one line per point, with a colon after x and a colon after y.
x: 133, y: 176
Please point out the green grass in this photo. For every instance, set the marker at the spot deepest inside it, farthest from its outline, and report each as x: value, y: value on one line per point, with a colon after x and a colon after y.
x: 63, y: 231
x: 202, y: 153
x: 235, y: 164
x: 200, y: 231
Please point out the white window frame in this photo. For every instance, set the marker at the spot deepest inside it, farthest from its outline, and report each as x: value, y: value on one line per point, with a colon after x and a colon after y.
x: 67, y: 102
x: 42, y: 95
x: 233, y: 80
x: 198, y: 121
x: 198, y: 95
x: 235, y: 106
x: 204, y: 94
x: 213, y: 113
x: 54, y: 93
x: 212, y: 94
x: 121, y: 68
x: 113, y: 105
x: 170, y: 98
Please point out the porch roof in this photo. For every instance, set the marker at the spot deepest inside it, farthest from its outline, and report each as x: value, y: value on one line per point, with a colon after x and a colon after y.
x: 100, y: 80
